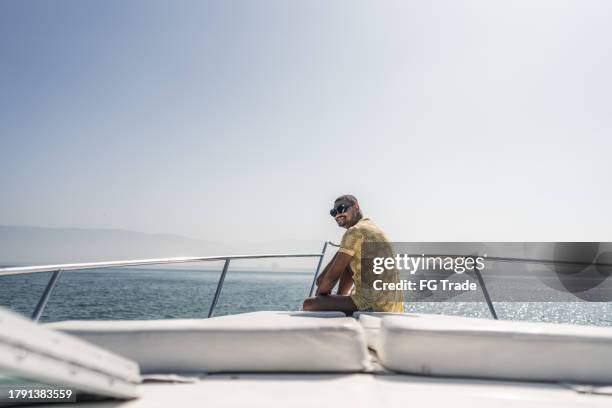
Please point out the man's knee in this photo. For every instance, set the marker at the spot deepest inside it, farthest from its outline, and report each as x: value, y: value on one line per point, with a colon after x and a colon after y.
x: 309, y: 304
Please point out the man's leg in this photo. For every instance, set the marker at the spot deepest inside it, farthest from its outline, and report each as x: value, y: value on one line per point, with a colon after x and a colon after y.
x: 330, y: 303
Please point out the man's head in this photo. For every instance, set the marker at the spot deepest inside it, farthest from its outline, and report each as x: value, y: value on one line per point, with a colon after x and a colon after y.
x: 346, y: 211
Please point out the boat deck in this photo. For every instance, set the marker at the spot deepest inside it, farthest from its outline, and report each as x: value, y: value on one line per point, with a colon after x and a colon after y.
x: 354, y: 390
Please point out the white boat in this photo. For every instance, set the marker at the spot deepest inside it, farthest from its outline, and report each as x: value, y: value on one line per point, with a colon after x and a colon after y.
x: 292, y: 358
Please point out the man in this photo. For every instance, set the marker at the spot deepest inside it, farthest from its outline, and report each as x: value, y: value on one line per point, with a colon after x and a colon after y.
x: 345, y: 267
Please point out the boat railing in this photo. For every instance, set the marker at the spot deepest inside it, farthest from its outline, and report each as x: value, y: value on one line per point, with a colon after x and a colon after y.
x: 56, y: 271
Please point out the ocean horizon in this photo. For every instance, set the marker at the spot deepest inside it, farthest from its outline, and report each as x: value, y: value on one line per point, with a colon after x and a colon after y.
x: 152, y: 293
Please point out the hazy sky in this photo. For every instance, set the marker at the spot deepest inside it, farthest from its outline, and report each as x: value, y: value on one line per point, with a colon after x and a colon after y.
x: 243, y: 120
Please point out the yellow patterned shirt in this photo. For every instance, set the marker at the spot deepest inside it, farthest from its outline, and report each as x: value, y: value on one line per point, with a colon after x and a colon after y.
x: 364, y: 296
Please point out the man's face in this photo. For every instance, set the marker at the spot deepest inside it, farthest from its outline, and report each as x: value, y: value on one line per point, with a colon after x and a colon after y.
x: 349, y: 217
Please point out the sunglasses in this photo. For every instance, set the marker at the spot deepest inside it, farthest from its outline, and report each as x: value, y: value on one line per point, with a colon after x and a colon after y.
x: 341, y: 209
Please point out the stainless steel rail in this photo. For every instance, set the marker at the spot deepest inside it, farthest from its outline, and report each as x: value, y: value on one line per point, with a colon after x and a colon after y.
x: 58, y: 269
x: 21, y: 270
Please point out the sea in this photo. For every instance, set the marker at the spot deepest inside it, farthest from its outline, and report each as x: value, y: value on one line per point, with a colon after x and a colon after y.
x: 141, y: 293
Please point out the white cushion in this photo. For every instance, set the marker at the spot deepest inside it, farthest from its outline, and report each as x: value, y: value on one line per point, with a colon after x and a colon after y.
x: 372, y: 322
x: 469, y: 347
x: 37, y: 354
x: 251, y: 342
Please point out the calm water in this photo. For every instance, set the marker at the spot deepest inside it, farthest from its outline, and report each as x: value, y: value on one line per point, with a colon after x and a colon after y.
x: 167, y: 294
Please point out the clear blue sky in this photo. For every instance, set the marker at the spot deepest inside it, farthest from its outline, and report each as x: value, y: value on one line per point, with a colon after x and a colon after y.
x: 242, y: 120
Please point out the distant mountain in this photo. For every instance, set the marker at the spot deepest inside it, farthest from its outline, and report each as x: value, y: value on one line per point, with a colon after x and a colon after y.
x: 21, y: 245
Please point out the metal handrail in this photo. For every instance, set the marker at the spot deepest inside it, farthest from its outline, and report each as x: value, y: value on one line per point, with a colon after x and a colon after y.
x: 58, y: 269
x: 22, y: 270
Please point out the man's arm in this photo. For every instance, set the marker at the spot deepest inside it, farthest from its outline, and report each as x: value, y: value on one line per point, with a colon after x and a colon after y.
x: 346, y: 282
x: 322, y: 274
x: 340, y: 262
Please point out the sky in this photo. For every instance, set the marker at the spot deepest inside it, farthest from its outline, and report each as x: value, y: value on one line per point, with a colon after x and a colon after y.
x: 241, y: 121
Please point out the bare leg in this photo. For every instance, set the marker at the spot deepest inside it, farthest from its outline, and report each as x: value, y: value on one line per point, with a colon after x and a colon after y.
x: 330, y: 303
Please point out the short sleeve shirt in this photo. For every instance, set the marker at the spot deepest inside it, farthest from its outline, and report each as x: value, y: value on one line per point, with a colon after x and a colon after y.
x: 364, y: 296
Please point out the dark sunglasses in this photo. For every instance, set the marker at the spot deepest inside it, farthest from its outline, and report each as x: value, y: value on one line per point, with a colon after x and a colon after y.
x: 341, y: 209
